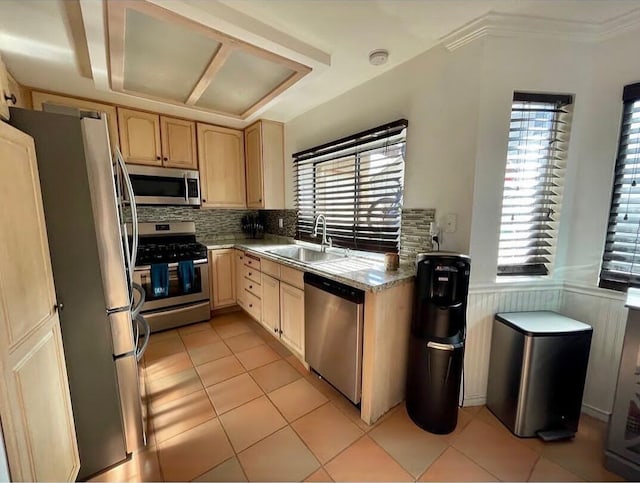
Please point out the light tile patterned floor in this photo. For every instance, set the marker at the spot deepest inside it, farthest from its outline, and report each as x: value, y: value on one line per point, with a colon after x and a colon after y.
x: 229, y: 403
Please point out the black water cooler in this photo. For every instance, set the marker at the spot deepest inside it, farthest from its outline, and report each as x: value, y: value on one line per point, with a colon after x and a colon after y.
x: 436, y: 348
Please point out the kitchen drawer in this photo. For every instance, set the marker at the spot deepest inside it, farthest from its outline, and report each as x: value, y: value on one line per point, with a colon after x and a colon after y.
x: 252, y: 274
x: 292, y: 276
x: 252, y: 261
x: 270, y: 268
x: 253, y: 305
x: 254, y: 287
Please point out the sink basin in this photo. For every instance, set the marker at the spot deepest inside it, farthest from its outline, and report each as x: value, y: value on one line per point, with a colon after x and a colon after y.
x: 304, y: 254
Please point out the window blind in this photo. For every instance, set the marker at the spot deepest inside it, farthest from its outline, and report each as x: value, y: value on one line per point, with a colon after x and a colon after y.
x: 533, y: 184
x: 357, y: 183
x: 621, y: 259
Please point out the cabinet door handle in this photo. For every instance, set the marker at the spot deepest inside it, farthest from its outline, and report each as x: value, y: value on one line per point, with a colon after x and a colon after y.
x: 250, y: 305
x: 280, y: 331
x: 158, y: 158
x: 275, y: 329
x: 165, y: 159
x: 250, y: 273
x: 250, y: 286
x: 11, y: 98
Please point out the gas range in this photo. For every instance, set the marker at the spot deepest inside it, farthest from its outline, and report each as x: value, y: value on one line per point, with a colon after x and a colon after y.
x: 168, y: 243
x: 169, y: 252
x: 181, y: 304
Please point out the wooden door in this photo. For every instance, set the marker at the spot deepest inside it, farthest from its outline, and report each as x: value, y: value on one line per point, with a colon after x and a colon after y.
x: 271, y: 303
x: 253, y: 152
x: 4, y: 91
x: 292, y: 317
x: 139, y: 137
x: 222, y: 278
x: 178, y: 143
x: 35, y: 406
x: 41, y: 98
x: 239, y: 257
x: 221, y: 160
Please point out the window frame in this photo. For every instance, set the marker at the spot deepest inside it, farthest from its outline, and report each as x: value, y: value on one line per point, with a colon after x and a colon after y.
x: 630, y: 95
x: 530, y: 267
x: 353, y: 147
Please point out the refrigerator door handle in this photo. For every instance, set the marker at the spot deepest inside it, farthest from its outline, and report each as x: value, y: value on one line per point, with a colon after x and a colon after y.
x: 134, y: 212
x: 140, y: 320
x: 137, y: 307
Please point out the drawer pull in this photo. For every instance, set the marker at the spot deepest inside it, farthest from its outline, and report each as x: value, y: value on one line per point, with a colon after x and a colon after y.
x: 250, y: 286
x: 250, y: 305
x: 250, y: 273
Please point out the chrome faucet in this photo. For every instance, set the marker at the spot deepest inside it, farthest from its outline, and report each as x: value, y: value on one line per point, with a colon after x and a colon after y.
x: 324, y: 241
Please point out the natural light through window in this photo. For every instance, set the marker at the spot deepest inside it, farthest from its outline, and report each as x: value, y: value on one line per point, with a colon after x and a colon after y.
x: 533, y: 183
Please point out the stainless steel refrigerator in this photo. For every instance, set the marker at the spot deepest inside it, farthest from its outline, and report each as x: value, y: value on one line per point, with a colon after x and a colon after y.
x: 92, y: 261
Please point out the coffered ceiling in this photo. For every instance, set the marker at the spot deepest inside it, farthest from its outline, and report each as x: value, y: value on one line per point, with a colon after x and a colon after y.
x: 232, y: 61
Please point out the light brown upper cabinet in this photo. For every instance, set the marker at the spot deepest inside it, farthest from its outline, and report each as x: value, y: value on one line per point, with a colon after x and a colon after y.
x: 178, y: 143
x: 264, y: 150
x: 221, y: 155
x: 140, y: 137
x: 5, y: 95
x: 151, y: 139
x: 41, y: 98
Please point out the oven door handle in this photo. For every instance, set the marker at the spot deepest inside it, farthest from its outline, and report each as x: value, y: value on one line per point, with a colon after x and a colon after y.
x: 147, y: 268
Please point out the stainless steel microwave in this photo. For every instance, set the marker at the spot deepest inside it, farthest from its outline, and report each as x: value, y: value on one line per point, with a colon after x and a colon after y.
x: 164, y: 186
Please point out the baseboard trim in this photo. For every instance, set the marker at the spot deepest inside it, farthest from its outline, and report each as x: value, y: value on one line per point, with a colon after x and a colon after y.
x: 596, y: 412
x: 474, y: 401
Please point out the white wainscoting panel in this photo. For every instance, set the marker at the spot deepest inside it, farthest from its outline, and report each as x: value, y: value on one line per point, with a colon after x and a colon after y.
x: 482, y: 305
x: 606, y: 313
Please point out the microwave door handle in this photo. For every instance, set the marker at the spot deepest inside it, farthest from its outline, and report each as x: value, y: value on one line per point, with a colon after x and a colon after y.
x: 186, y: 188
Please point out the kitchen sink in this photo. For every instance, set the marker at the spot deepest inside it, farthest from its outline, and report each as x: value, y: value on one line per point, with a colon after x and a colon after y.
x: 305, y: 254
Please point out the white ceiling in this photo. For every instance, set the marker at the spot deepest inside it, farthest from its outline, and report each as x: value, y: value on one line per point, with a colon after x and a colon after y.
x: 333, y: 37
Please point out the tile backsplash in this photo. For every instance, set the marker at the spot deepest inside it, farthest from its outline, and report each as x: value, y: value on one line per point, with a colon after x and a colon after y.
x: 414, y: 232
x: 289, y: 218
x: 209, y: 222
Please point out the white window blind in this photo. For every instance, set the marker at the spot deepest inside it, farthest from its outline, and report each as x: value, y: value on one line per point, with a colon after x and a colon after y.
x: 357, y: 183
x: 533, y: 184
x: 621, y: 259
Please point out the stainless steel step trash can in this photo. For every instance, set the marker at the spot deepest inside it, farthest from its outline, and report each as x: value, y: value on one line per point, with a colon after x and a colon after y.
x: 537, y: 372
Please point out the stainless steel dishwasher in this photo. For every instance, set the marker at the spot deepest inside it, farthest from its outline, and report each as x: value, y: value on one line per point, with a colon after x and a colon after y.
x: 333, y: 323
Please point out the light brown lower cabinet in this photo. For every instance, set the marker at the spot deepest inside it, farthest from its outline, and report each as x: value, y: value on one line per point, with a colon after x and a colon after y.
x: 239, y: 267
x: 292, y: 317
x: 222, y: 278
x: 271, y: 304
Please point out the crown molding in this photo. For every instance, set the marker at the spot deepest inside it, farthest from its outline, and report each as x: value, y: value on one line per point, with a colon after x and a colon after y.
x: 507, y: 25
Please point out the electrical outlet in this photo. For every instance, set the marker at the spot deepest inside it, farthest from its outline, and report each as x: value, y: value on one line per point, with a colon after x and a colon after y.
x: 449, y: 222
x: 280, y: 223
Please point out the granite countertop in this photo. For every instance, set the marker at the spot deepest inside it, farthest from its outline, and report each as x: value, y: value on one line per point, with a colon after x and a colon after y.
x: 359, y: 272
x: 633, y: 298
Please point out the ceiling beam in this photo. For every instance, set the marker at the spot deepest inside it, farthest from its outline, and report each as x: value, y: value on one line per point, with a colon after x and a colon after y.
x: 217, y: 61
x: 75, y: 25
x: 116, y: 19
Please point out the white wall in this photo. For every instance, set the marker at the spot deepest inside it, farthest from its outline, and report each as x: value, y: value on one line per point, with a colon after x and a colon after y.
x: 458, y: 106
x: 519, y: 65
x: 437, y: 93
x: 4, y: 467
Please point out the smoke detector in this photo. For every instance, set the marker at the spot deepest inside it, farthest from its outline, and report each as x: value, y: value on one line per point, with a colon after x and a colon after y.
x: 378, y: 56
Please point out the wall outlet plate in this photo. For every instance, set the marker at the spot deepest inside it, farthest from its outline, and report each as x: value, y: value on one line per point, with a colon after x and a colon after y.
x: 449, y: 222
